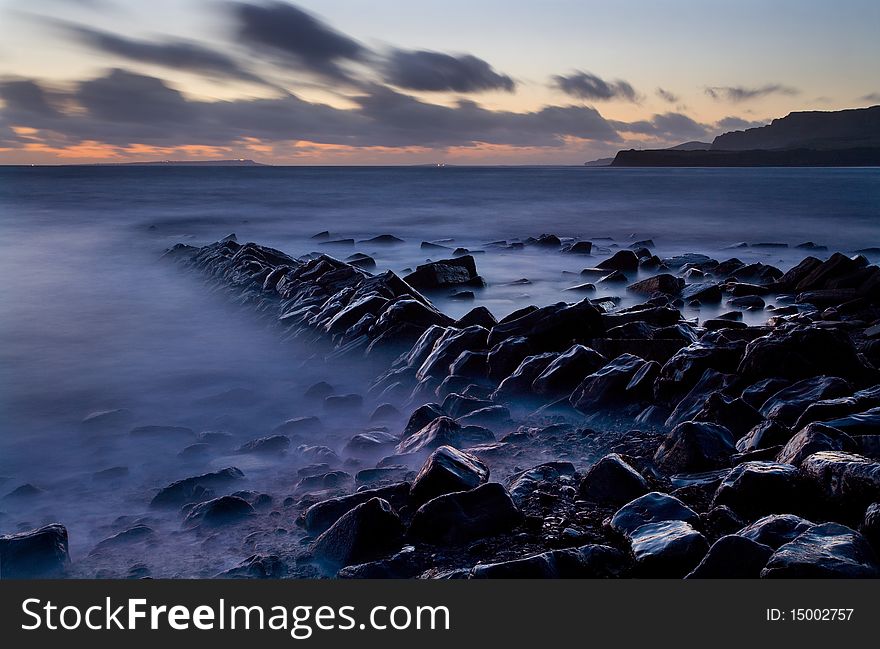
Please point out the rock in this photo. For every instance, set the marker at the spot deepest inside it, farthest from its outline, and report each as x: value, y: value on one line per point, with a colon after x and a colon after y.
x: 524, y: 483
x: 24, y: 492
x: 382, y: 239
x: 653, y: 507
x: 732, y: 413
x: 343, y: 403
x: 421, y: 417
x: 841, y: 407
x: 385, y: 412
x: 490, y: 417
x: 580, y: 248
x: 829, y: 550
x: 448, y: 347
x: 505, y: 357
x: 623, y: 260
x: 767, y: 434
x: 271, y: 445
x: 566, y: 371
x: 871, y: 525
x: 472, y: 365
x: 689, y: 364
x: 747, y: 302
x: 479, y: 316
x: 465, y: 515
x: 257, y: 566
x: 458, y: 405
x: 190, y: 489
x: 519, y: 383
x: 667, y: 549
x: 38, y: 554
x: 607, y: 385
x: 104, y: 420
x: 755, y: 489
x: 612, y: 481
x: 732, y: 557
x: 220, y: 511
x: 384, y: 475
x: 445, y: 471
x: 801, y: 353
x: 756, y: 394
x: 787, y: 405
x: 134, y: 534
x: 443, y: 431
x: 776, y: 530
x: 449, y: 272
x: 663, y: 283
x: 300, y: 425
x: 371, y: 442
x: 368, y: 531
x: 812, y: 439
x: 317, y: 453
x: 322, y: 481
x: 695, y: 400
x: 587, y: 562
x: 552, y: 328
x: 860, y: 424
x: 704, y: 292
x: 695, y: 446
x: 320, y: 516
x: 851, y: 482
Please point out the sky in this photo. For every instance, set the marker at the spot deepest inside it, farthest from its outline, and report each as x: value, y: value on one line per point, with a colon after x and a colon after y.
x: 417, y: 82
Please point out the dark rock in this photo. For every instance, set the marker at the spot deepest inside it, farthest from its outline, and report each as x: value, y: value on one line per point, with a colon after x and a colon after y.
x: 519, y: 383
x: 448, y: 470
x: 860, y: 424
x: 733, y: 557
x: 755, y: 489
x: 506, y: 356
x: 682, y: 372
x: 612, y: 481
x: 812, y: 439
x: 343, y: 403
x: 190, y: 489
x: 566, y: 371
x: 466, y: 515
x: 440, y: 274
x: 695, y: 400
x: 366, y: 532
x: 480, y: 316
x: 767, y: 434
x: 732, y: 413
x: 747, y: 302
x: 580, y: 248
x: 704, y: 292
x: 322, y: 481
x: 720, y: 521
x: 871, y: 525
x: 851, y: 482
x: 301, y: 425
x: 385, y: 412
x: 653, y: 507
x: 473, y: 365
x: 776, y: 530
x: 669, y: 548
x: 38, y: 554
x: 623, y: 260
x: 257, y: 566
x: 841, y: 407
x: 695, y: 446
x: 757, y: 394
x: 664, y: 283
x: 382, y: 239
x: 526, y: 482
x: 494, y: 416
x: 385, y: 474
x: 607, y: 385
x: 421, y: 417
x: 448, y: 347
x: 220, y: 511
x: 829, y: 550
x: 322, y: 515
x: 273, y: 444
x: 787, y: 405
x: 443, y: 431
x: 587, y: 562
x: 458, y: 405
x: 135, y: 534
x: 370, y: 442
x: 552, y: 328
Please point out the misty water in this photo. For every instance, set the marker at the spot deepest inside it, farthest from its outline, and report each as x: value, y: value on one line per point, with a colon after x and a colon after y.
x: 92, y: 319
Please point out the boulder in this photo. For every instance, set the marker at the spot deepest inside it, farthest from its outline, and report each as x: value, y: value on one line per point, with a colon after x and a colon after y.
x: 368, y: 531
x: 421, y: 417
x: 612, y: 481
x: 567, y: 370
x: 689, y: 364
x: 38, y: 554
x: 448, y: 470
x: 371, y: 442
x: 812, y: 439
x: 303, y: 425
x: 472, y: 365
x: 731, y: 412
x: 607, y: 385
x: 519, y: 383
x: 860, y: 424
x: 441, y: 274
x: 851, y: 482
x: 220, y: 511
x: 494, y: 416
x: 788, y: 404
x: 695, y: 400
x: 829, y: 550
x: 755, y: 489
x: 443, y: 431
x: 271, y: 445
x: 871, y: 525
x: 257, y: 566
x: 733, y: 557
x: 320, y: 516
x: 767, y: 434
x: 842, y: 407
x: 668, y: 549
x: 506, y: 356
x: 465, y: 515
x: 653, y: 507
x: 623, y: 260
x: 695, y: 446
x: 663, y: 283
x: 479, y: 315
x: 525, y: 483
x: 587, y: 562
x: 756, y: 394
x: 195, y: 488
x: 458, y: 405
x: 776, y: 530
x: 448, y: 347
x: 552, y: 328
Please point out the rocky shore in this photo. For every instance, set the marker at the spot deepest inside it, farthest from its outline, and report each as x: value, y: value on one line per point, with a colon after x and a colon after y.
x: 578, y: 439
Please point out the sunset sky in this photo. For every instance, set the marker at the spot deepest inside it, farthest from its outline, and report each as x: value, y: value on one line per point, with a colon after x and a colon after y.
x: 424, y: 81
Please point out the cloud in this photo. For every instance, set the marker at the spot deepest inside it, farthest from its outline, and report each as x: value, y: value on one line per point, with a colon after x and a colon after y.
x: 297, y: 37
x: 871, y: 96
x: 175, y: 54
x: 584, y: 85
x: 436, y: 71
x: 739, y: 124
x: 738, y: 94
x: 666, y: 95
x: 674, y: 127
x: 26, y: 97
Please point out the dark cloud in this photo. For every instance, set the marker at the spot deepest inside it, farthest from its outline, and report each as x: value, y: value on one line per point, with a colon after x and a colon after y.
x: 667, y: 127
x: 123, y: 96
x: 871, y: 96
x: 298, y: 37
x: 171, y: 53
x: 435, y: 71
x: 26, y: 97
x: 738, y: 94
x: 738, y: 124
x: 584, y: 85
x: 666, y: 95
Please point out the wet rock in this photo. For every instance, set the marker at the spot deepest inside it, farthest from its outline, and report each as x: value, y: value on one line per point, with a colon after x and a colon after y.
x: 421, y: 417
x: 747, y: 302
x: 767, y: 434
x: 457, y: 405
x: 317, y: 453
x: 479, y: 316
x: 861, y: 424
x: 612, y: 481
x: 732, y: 413
x: 566, y: 371
x: 757, y: 394
x: 494, y: 416
x: 385, y: 412
x: 606, y: 385
x: 191, y: 489
x: 448, y: 470
x: 371, y: 442
x: 343, y: 403
x: 695, y: 446
x: 776, y: 530
x: 812, y: 439
x: 689, y: 364
x: 257, y: 566
x: 653, y: 507
x: 320, y: 516
x: 370, y: 530
x: 524, y: 483
x: 871, y: 525
x: 841, y: 407
x: 506, y: 356
x: 552, y: 328
x: 471, y: 365
x: 37, y: 554
x: 755, y: 489
x: 220, y: 511
x: 443, y: 431
x: 623, y: 260
x: 579, y: 248
x: 587, y: 562
x: 663, y: 283
x: 667, y: 549
x: 733, y: 557
x: 787, y: 405
x: 449, y: 272
x: 448, y: 347
x: 384, y: 475
x: 271, y: 445
x: 851, y: 482
x: 401, y: 565
x: 695, y: 400
x: 136, y: 534
x: 322, y: 481
x: 519, y: 383
x: 829, y: 550
x: 466, y: 515
x: 300, y: 425
x: 383, y: 239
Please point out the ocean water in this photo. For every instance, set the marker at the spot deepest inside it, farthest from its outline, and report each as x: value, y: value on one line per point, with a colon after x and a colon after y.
x: 91, y: 319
